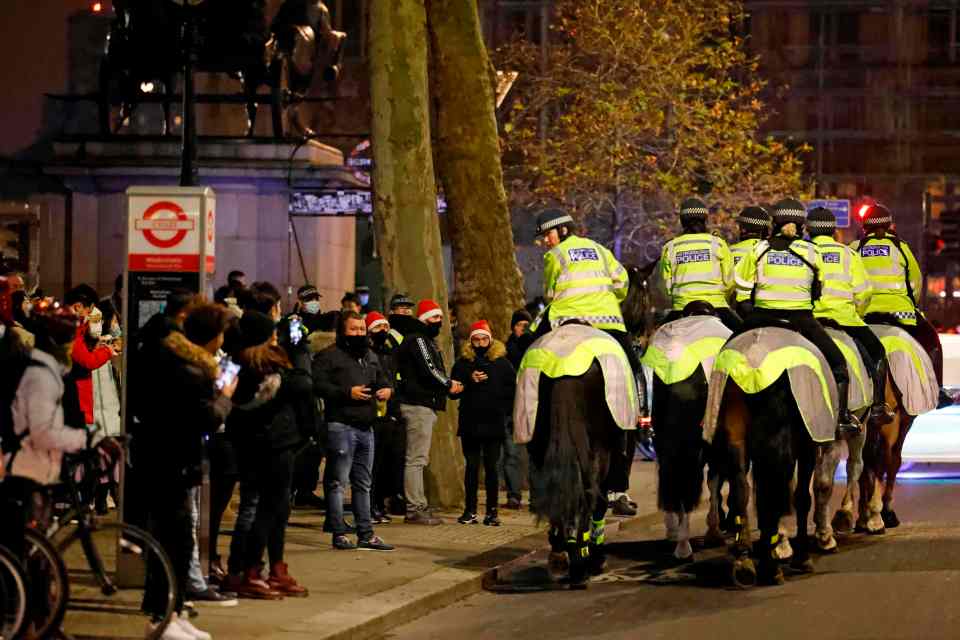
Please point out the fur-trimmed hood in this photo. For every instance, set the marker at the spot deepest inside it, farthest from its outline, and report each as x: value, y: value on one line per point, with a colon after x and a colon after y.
x: 190, y: 353
x: 497, y: 350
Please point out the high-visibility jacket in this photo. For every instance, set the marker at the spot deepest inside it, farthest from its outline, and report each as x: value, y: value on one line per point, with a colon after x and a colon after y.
x: 697, y: 266
x: 846, y: 291
x: 741, y: 249
x: 583, y: 281
x: 893, y: 275
x: 780, y: 279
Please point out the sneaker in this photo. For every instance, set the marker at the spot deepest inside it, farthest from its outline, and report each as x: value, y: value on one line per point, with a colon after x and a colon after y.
x: 468, y: 518
x: 513, y: 503
x: 217, y: 573
x: 173, y: 631
x: 491, y: 519
x: 621, y: 507
x: 213, y: 597
x: 348, y: 527
x: 380, y: 517
x: 188, y: 627
x: 422, y: 517
x: 343, y: 543
x: 375, y: 543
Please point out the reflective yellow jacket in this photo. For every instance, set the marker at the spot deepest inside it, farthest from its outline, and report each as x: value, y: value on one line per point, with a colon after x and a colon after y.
x: 782, y: 280
x: 845, y: 289
x: 697, y: 266
x: 889, y: 269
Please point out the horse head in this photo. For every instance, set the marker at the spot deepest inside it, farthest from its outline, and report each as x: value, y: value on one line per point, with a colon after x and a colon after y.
x: 637, y: 308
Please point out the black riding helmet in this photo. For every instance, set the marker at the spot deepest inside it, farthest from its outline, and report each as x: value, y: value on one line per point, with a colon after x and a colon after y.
x: 552, y: 219
x: 821, y: 222
x: 788, y: 211
x: 754, y: 222
x: 878, y: 216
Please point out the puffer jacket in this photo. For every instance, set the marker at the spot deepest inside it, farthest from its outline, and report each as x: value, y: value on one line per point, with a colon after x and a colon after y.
x: 484, y: 406
x: 87, y: 358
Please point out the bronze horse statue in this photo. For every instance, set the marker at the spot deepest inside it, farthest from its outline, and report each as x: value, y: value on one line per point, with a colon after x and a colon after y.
x: 146, y: 44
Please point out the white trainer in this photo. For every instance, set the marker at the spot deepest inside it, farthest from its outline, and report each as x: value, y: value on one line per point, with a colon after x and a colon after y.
x: 195, y: 633
x: 173, y: 631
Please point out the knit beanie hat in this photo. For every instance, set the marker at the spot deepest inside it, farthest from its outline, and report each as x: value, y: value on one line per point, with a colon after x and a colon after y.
x: 821, y: 221
x: 481, y: 328
x: 878, y: 216
x: 255, y: 328
x: 693, y: 209
x: 427, y: 309
x: 520, y: 315
x: 375, y: 319
x: 754, y: 220
x: 788, y: 210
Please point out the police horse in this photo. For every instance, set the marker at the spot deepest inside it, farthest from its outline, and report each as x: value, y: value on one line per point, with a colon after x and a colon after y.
x: 147, y: 41
x: 576, y: 395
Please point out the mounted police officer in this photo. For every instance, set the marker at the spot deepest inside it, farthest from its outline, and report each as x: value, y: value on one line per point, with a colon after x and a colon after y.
x: 781, y: 279
x: 697, y: 266
x: 894, y: 276
x: 582, y: 280
x: 845, y: 291
x: 754, y: 224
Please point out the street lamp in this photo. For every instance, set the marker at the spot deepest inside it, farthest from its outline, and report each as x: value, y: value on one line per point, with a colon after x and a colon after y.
x: 188, y: 145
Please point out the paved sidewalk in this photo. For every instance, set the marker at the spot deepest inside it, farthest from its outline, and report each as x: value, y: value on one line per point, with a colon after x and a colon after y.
x: 361, y: 594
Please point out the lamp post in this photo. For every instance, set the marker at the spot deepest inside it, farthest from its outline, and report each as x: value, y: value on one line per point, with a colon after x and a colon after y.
x: 188, y: 145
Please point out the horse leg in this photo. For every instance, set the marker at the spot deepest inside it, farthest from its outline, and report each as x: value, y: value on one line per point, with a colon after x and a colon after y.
x: 869, y: 520
x: 578, y: 550
x: 893, y: 462
x: 558, y: 564
x: 806, y: 462
x: 683, y: 550
x: 843, y: 518
x: 823, y: 475
x: 714, y: 536
x: 598, y: 554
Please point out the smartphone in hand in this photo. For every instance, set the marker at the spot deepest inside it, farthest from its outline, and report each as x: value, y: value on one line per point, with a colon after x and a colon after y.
x: 229, y: 370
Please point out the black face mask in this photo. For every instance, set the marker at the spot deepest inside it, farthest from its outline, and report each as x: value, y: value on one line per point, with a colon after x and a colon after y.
x: 433, y: 329
x: 481, y: 351
x: 355, y: 345
x: 378, y: 339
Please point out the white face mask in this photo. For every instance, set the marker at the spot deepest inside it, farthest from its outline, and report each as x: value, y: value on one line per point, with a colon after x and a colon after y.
x: 96, y: 329
x: 312, y: 307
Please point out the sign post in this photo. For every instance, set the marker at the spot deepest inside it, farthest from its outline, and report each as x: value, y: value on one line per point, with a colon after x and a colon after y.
x: 170, y: 242
x: 839, y: 208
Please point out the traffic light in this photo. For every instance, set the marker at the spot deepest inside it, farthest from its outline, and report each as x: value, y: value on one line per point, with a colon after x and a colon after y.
x: 863, y: 211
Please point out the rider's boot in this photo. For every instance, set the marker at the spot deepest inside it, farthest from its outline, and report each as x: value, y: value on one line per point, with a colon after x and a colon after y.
x: 880, y: 412
x: 848, y: 424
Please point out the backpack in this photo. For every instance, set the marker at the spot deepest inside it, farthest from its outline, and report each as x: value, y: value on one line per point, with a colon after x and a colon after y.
x: 13, y: 364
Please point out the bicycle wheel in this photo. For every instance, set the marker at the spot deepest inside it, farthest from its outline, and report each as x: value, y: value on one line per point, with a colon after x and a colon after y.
x: 108, y: 569
x: 47, y: 584
x: 13, y: 595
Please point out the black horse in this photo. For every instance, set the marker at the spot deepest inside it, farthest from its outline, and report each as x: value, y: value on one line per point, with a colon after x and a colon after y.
x: 574, y: 439
x: 146, y: 46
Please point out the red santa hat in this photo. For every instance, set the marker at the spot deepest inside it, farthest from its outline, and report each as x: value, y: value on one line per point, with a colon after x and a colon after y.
x: 375, y: 319
x: 427, y: 309
x: 480, y: 328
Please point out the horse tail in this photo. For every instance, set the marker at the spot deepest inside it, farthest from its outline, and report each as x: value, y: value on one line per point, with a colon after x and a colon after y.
x: 678, y: 410
x: 770, y: 441
x: 568, y: 483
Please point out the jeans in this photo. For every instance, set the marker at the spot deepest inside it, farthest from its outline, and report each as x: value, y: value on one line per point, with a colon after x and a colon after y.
x: 273, y: 478
x: 510, y: 463
x: 196, y: 583
x: 489, y: 450
x: 420, y: 421
x: 246, y: 514
x: 350, y: 459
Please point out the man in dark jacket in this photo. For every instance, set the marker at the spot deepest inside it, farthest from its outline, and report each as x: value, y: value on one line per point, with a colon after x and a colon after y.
x: 352, y: 383
x: 517, y: 344
x: 390, y: 436
x: 424, y: 386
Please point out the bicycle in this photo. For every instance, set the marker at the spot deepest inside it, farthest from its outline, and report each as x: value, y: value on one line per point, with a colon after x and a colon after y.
x: 13, y: 595
x: 103, y: 566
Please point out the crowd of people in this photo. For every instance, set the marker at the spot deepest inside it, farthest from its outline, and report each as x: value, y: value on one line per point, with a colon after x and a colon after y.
x: 280, y: 406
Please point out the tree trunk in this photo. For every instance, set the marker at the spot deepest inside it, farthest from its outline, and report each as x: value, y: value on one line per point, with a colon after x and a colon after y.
x: 488, y: 280
x: 405, y: 196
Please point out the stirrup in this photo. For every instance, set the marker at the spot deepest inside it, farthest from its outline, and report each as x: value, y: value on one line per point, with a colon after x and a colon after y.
x: 882, y: 413
x: 849, y: 425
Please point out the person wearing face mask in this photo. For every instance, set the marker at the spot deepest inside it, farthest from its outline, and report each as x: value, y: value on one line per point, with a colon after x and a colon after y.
x: 390, y: 435
x: 424, y: 386
x: 485, y: 406
x: 351, y: 381
x: 308, y: 307
x: 90, y: 353
x: 363, y: 297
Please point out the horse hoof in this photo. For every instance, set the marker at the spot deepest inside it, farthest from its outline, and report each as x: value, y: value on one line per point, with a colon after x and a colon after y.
x: 558, y: 565
x: 842, y: 522
x: 827, y: 545
x: 890, y: 520
x: 684, y: 551
x: 743, y: 573
x: 713, y: 539
x: 876, y: 532
x: 596, y: 565
x: 771, y: 575
x: 783, y: 550
x: 802, y: 566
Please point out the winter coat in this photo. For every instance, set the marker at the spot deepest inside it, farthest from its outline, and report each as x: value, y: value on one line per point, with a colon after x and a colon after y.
x: 106, y: 401
x: 272, y: 412
x: 516, y: 347
x: 86, y: 360
x: 335, y: 372
x: 37, y: 410
x: 423, y: 378
x: 485, y: 406
x: 181, y: 406
x: 388, y: 361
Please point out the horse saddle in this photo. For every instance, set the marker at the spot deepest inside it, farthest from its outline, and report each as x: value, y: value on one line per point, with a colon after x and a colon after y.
x: 910, y: 368
x: 680, y: 346
x: 569, y: 351
x: 757, y: 358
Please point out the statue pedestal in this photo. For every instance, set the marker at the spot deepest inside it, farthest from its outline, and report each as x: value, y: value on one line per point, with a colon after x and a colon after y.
x: 82, y: 230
